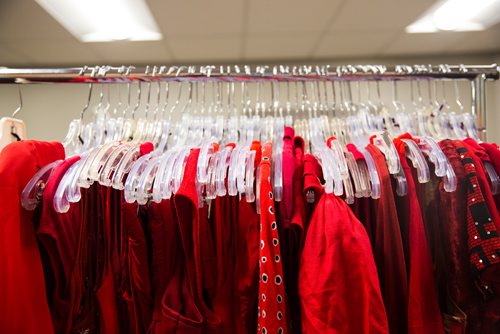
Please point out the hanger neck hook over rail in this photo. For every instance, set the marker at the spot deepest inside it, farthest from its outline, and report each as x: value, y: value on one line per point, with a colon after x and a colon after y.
x: 250, y: 73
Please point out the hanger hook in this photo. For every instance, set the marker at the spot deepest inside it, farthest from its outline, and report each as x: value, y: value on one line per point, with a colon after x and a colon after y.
x: 91, y: 88
x: 457, y: 97
x: 20, y: 106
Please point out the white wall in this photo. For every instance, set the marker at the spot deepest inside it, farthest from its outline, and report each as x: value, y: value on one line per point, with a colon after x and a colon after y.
x: 48, y: 108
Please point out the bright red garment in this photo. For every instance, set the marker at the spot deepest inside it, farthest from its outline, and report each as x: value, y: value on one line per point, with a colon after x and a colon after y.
x: 59, y: 234
x: 291, y: 254
x: 355, y: 152
x: 272, y: 299
x: 23, y: 301
x: 387, y: 240
x: 106, y: 292
x: 494, y: 153
x: 288, y: 166
x: 186, y: 205
x: 338, y: 282
x: 247, y: 272
x: 424, y: 315
x: 137, y: 292
x: 174, y: 307
x: 299, y: 219
x: 224, y: 213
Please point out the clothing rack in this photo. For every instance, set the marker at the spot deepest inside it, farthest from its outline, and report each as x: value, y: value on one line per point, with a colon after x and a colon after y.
x: 476, y: 74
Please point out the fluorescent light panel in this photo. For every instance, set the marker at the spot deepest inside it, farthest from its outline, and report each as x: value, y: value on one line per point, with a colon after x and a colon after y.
x: 104, y: 20
x: 457, y: 15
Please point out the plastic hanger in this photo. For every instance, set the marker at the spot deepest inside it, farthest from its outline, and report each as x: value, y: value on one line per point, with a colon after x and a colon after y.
x: 420, y: 112
x: 278, y: 133
x: 32, y: 193
x: 67, y: 191
x: 73, y: 141
x: 331, y: 172
x: 360, y: 140
x: 136, y: 180
x: 11, y: 128
x: 339, y: 151
x: 247, y: 135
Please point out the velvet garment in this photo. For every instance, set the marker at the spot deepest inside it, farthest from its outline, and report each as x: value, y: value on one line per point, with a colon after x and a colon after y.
x: 391, y: 269
x: 192, y: 229
x: 424, y: 315
x: 59, y: 234
x: 337, y: 239
x: 175, y: 310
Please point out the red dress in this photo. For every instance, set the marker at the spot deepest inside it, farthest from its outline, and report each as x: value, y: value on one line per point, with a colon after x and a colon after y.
x: 23, y: 301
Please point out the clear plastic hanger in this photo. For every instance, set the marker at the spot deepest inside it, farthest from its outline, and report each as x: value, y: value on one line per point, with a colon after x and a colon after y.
x: 73, y: 141
x: 360, y: 139
x: 170, y: 172
x: 402, y: 122
x: 443, y: 115
x: 412, y: 150
x: 419, y: 107
x: 109, y: 168
x: 339, y: 150
x: 278, y: 133
x: 453, y: 118
x: 77, y: 175
x: 334, y: 145
x: 325, y: 156
x: 140, y: 178
x: 68, y: 191
x: 433, y: 120
x: 31, y: 194
x: 11, y: 128
x: 238, y: 156
x: 442, y: 167
x: 493, y: 177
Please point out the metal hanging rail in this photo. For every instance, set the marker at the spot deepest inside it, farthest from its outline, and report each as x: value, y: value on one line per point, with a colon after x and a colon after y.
x: 476, y: 74
x: 104, y: 74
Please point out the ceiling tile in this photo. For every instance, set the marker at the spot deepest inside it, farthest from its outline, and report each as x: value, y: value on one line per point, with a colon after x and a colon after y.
x: 25, y: 20
x: 354, y: 44
x: 290, y: 16
x: 187, y: 49
x: 198, y: 18
x: 132, y: 52
x: 55, y: 53
x: 279, y: 46
x: 382, y: 15
x: 478, y: 41
x: 421, y: 44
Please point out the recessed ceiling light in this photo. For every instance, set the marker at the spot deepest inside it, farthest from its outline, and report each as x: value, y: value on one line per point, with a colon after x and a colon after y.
x: 104, y: 20
x: 457, y: 15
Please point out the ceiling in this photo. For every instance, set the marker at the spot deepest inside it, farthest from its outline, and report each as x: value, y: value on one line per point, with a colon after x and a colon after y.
x: 241, y: 31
